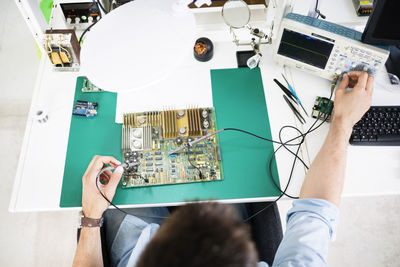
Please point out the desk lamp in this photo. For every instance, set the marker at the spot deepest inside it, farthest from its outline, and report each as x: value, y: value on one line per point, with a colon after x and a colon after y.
x: 138, y: 44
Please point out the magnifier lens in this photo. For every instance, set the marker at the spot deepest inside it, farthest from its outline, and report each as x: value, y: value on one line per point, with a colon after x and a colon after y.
x: 236, y: 13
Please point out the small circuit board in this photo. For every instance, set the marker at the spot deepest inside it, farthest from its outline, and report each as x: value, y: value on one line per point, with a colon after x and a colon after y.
x: 322, y: 108
x: 88, y: 87
x: 85, y: 109
x: 148, y: 138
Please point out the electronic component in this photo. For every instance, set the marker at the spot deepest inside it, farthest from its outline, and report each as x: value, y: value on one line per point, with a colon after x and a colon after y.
x: 85, y: 109
x: 88, y: 87
x: 363, y: 7
x: 322, y: 108
x: 380, y: 126
x: 63, y: 49
x: 323, y: 48
x: 158, y: 165
x: 118, y: 3
x: 80, y: 14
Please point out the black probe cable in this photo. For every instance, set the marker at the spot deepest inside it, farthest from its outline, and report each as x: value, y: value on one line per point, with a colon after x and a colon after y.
x: 333, y: 85
x: 86, y: 30
x: 112, y: 204
x: 102, y: 7
x: 163, y: 217
x: 290, y: 176
x: 284, y: 144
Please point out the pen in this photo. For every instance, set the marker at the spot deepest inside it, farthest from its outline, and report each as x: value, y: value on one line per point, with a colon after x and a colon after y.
x: 294, y: 94
x: 285, y: 90
x: 296, y: 113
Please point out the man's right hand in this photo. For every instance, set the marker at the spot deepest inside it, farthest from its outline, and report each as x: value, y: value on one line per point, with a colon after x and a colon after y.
x: 351, y: 105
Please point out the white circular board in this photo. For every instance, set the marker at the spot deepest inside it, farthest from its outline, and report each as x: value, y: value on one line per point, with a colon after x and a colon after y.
x: 137, y: 45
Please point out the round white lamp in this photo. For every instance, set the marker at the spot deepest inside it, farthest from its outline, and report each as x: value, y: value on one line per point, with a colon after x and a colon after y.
x: 138, y: 44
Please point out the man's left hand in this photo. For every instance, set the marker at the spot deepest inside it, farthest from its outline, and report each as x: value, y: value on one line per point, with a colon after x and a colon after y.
x: 93, y: 204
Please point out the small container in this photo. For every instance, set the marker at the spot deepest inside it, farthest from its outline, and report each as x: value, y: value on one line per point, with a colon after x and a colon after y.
x: 203, y: 49
x: 41, y: 116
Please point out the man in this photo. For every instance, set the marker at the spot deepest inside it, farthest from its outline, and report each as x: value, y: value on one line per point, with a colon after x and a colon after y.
x: 210, y: 234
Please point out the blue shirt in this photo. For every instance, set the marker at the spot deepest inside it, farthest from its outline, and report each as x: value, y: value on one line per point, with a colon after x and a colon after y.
x: 311, y: 225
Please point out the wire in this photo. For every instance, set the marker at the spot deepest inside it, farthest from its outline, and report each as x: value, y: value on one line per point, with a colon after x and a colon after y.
x: 257, y: 136
x: 112, y: 204
x: 194, y: 153
x: 319, y: 12
x: 281, y: 143
x: 311, y: 129
x: 86, y: 30
x: 102, y: 7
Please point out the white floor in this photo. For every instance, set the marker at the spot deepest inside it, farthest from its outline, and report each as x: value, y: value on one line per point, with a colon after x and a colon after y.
x: 368, y: 231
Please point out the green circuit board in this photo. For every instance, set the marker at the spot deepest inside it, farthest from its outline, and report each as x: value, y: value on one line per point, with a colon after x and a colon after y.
x: 322, y: 108
x: 148, y: 139
x: 88, y: 87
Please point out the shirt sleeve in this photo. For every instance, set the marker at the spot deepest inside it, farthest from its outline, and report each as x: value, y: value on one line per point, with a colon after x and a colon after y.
x: 311, y: 225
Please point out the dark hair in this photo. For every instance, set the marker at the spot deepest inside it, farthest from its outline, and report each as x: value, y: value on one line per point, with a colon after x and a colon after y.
x: 202, y: 234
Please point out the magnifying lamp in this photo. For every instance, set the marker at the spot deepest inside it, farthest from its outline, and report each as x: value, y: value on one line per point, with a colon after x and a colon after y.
x: 236, y: 14
x: 137, y: 45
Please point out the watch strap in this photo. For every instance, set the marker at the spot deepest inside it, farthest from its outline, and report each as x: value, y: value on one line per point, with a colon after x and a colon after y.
x: 90, y: 222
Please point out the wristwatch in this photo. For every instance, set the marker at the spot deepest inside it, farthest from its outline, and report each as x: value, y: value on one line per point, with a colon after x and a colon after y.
x: 89, y: 222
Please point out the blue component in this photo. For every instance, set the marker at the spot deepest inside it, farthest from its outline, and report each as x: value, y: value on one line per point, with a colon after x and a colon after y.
x: 172, y: 156
x: 147, y: 154
x: 329, y: 27
x: 85, y: 109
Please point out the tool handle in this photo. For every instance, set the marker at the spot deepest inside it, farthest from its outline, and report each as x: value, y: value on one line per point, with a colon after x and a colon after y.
x: 294, y: 93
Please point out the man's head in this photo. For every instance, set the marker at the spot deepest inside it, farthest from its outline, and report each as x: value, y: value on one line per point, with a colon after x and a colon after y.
x: 197, y: 235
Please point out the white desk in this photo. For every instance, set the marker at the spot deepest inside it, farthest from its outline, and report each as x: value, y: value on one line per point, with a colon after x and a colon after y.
x: 37, y: 187
x: 371, y: 170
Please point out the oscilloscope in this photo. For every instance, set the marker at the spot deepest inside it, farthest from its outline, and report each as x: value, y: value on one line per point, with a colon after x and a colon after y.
x: 324, y: 48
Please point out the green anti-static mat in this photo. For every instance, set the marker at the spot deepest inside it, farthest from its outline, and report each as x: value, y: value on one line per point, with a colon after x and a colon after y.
x: 239, y: 101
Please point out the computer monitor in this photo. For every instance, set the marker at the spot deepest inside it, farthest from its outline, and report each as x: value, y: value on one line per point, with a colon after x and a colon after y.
x: 383, y: 26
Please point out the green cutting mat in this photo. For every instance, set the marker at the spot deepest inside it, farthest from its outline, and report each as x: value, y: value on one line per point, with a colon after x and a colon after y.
x: 238, y: 98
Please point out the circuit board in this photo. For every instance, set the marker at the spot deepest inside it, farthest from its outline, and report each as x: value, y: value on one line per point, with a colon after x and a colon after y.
x: 322, y: 108
x: 85, y: 109
x: 88, y: 87
x: 148, y: 139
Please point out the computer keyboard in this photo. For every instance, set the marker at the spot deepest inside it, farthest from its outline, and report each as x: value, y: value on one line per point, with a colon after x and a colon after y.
x: 380, y: 126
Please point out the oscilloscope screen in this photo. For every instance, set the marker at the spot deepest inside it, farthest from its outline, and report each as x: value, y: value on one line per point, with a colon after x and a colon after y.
x: 305, y: 48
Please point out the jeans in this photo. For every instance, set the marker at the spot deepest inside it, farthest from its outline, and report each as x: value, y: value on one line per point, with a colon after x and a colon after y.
x: 266, y: 228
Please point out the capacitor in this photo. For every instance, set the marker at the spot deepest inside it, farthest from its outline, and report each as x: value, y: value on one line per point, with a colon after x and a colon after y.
x: 180, y: 114
x: 206, y: 124
x: 90, y: 19
x: 179, y: 141
x: 204, y: 113
x: 137, y: 133
x: 142, y: 120
x: 135, y: 154
x: 137, y: 144
x: 69, y: 20
x: 182, y: 130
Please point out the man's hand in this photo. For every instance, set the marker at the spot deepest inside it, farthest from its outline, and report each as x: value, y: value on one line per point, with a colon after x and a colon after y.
x: 93, y: 204
x: 325, y: 178
x: 351, y: 105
